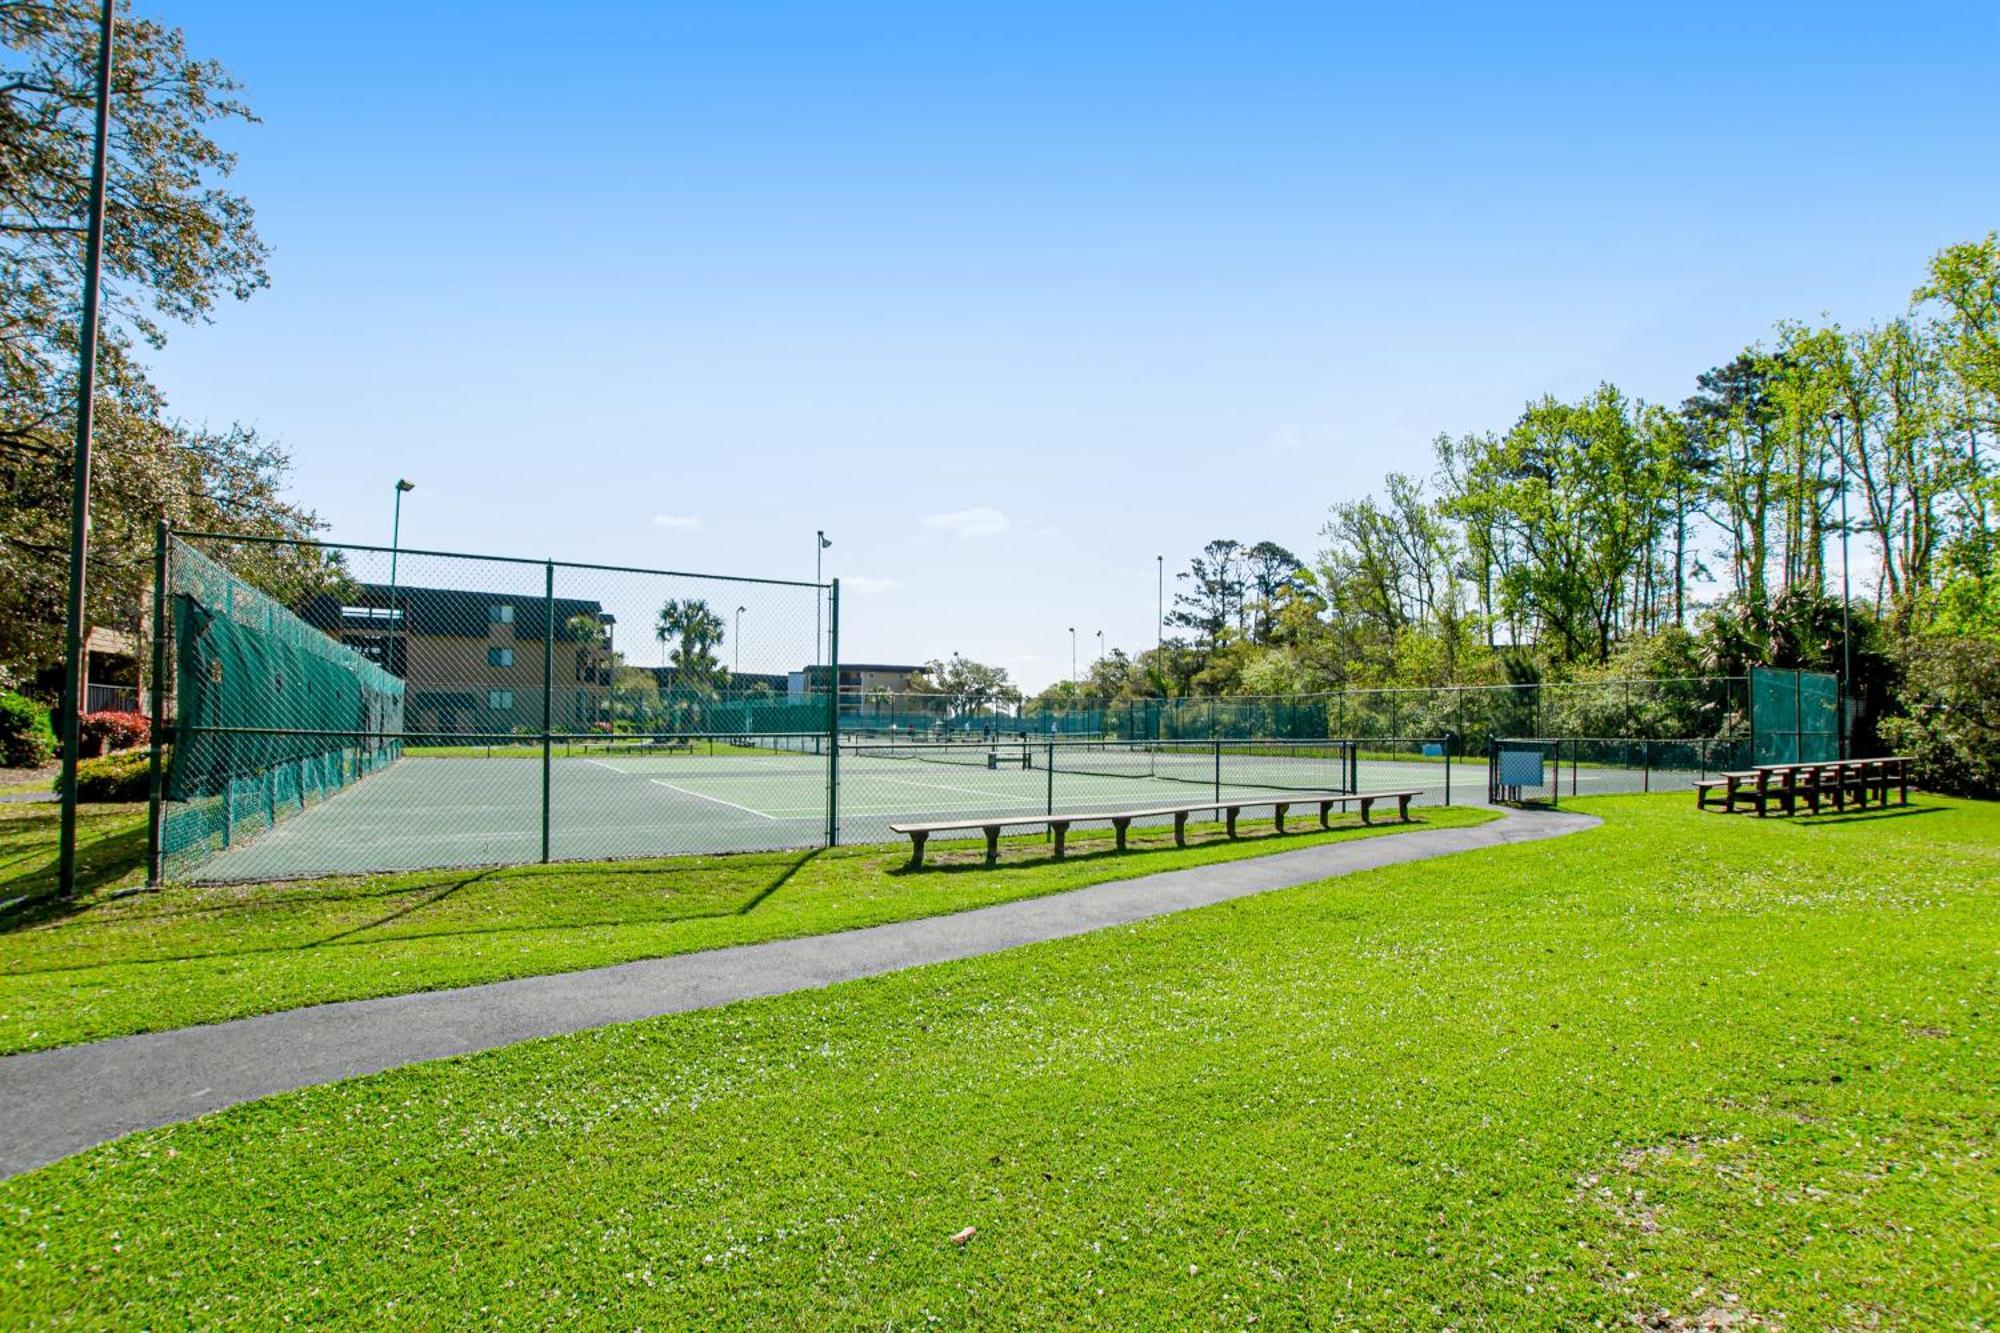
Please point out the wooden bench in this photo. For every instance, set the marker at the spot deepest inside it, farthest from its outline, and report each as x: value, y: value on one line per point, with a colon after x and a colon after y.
x: 1788, y: 784
x: 1121, y: 820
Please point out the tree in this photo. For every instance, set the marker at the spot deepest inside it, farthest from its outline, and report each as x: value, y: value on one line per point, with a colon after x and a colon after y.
x: 1963, y: 288
x: 695, y: 631
x: 965, y: 686
x: 1578, y: 491
x: 177, y: 241
x: 1214, y: 596
x: 1271, y: 571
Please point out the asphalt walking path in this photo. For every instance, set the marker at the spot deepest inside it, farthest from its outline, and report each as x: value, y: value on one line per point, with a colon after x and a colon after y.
x: 54, y: 1103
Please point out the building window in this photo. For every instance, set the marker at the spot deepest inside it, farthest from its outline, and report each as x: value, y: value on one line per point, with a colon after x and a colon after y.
x: 500, y: 701
x: 500, y: 657
x: 500, y: 613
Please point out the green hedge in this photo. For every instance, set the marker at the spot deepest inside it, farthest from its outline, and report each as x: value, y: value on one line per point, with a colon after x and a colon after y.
x: 124, y: 776
x: 25, y: 738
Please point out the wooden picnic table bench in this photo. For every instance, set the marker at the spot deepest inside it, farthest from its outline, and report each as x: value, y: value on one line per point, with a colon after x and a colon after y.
x: 1786, y: 784
x: 1121, y: 820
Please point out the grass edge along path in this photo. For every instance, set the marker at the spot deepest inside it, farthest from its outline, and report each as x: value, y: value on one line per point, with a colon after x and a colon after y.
x: 60, y: 1101
x: 110, y: 966
x: 1681, y: 1071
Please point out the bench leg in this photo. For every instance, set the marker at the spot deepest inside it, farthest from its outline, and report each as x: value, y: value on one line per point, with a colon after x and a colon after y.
x: 1061, y: 828
x: 1278, y: 816
x: 1903, y: 778
x: 1403, y: 809
x: 1230, y: 814
x: 1180, y: 828
x: 1367, y: 804
x: 1118, y: 827
x: 1323, y: 806
x: 992, y: 843
x: 917, y: 850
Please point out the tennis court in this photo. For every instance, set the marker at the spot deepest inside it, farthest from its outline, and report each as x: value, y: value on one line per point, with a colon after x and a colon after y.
x: 427, y: 813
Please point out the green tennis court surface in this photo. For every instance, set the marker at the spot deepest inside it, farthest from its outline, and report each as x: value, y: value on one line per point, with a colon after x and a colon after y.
x: 424, y: 813
x: 428, y: 813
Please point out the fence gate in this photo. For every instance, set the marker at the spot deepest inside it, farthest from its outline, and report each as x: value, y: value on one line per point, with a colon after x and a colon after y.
x: 1524, y: 772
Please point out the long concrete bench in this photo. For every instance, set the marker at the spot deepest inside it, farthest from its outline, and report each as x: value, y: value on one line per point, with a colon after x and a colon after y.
x: 1121, y: 820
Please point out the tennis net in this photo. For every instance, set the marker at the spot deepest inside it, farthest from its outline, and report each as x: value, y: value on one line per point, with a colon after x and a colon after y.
x: 1277, y: 764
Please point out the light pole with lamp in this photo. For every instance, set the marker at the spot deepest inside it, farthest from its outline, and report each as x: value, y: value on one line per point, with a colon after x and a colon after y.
x: 820, y: 543
x: 403, y: 484
x: 1072, y: 659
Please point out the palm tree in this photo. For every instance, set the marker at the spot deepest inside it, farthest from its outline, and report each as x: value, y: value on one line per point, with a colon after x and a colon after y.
x: 696, y: 631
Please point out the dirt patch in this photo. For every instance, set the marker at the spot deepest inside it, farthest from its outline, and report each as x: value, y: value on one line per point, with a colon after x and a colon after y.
x: 1712, y: 1317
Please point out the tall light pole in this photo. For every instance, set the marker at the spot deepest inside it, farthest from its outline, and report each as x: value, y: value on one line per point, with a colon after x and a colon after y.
x: 1072, y: 657
x: 395, y: 541
x: 820, y: 543
x: 74, y: 665
x: 1846, y: 636
x: 1160, y: 624
x: 1100, y: 645
x: 396, y: 528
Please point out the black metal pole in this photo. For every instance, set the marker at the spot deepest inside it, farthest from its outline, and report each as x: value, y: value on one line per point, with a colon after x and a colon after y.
x: 548, y: 693
x: 1846, y: 600
x: 79, y: 508
x: 832, y: 714
x: 157, y: 736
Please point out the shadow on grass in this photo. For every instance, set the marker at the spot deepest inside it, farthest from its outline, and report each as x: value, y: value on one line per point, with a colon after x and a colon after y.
x: 431, y: 895
x: 426, y: 900
x: 784, y: 876
x: 102, y: 861
x: 1868, y: 816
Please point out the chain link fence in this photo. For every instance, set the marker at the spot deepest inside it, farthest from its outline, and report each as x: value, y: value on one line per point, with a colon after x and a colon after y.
x: 331, y: 709
x: 345, y: 709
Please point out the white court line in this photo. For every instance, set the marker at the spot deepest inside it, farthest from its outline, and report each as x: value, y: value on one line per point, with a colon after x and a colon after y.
x: 929, y: 786
x: 746, y: 809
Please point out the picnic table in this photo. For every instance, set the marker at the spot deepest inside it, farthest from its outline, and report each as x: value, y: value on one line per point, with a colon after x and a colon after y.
x: 1786, y: 785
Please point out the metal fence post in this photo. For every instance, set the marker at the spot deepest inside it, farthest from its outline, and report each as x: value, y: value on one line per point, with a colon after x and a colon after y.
x: 1049, y: 776
x: 154, y: 814
x: 1447, y: 772
x: 1217, y: 742
x: 548, y: 691
x: 833, y: 714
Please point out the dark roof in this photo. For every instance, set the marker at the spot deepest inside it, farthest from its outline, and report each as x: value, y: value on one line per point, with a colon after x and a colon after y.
x: 869, y: 666
x: 448, y: 612
x: 666, y: 677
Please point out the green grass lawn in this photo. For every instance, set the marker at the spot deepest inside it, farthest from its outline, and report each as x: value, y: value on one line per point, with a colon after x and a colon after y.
x: 110, y: 965
x: 1682, y: 1071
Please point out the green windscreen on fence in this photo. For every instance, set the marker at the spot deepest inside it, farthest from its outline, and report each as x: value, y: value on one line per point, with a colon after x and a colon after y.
x: 272, y: 715
x: 1794, y: 716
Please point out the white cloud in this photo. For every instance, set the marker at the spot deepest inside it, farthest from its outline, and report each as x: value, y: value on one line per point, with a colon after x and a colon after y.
x: 979, y: 521
x: 678, y: 522
x: 862, y: 583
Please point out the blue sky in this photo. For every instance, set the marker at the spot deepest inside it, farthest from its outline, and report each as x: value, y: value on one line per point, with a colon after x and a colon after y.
x: 1010, y: 299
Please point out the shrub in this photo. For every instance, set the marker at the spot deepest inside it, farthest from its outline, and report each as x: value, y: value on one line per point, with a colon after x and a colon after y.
x: 114, y: 777
x: 1949, y: 721
x: 108, y: 733
x: 25, y: 738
